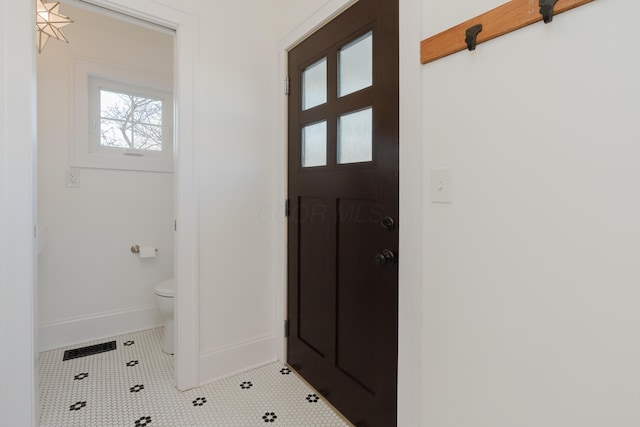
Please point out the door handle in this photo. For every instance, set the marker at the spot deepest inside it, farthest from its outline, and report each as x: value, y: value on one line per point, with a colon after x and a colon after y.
x: 385, y: 258
x: 388, y: 223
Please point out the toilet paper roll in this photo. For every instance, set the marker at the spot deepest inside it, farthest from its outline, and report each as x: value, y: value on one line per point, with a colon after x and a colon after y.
x: 147, y: 252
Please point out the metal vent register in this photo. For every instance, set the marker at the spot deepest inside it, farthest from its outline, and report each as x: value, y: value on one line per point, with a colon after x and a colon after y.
x: 89, y: 350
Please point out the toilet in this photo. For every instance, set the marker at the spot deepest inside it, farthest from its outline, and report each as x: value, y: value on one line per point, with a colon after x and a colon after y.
x: 164, y: 300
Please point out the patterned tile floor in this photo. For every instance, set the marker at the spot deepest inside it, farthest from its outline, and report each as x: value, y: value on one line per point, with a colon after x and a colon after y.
x: 132, y: 386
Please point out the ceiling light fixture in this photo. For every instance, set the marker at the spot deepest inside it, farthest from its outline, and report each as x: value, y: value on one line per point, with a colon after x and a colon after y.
x: 48, y: 23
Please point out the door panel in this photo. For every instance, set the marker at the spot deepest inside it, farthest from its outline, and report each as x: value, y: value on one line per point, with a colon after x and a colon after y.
x: 356, y: 276
x: 343, y: 180
x: 315, y: 267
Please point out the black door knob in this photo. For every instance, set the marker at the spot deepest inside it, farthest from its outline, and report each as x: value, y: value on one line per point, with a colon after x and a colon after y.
x: 388, y: 223
x: 385, y: 258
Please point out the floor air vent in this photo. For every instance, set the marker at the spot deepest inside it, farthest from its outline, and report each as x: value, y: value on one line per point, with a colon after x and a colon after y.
x: 89, y: 350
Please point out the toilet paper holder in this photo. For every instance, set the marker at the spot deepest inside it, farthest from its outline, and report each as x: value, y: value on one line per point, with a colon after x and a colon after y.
x: 135, y: 249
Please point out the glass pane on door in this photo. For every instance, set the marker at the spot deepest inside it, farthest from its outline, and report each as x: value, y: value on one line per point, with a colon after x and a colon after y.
x: 356, y: 65
x: 355, y: 137
x: 314, y: 85
x: 314, y: 145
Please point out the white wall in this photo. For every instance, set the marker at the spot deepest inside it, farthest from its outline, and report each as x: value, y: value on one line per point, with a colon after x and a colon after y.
x: 88, y: 276
x: 295, y: 13
x: 531, y: 275
x: 236, y: 119
x: 18, y: 355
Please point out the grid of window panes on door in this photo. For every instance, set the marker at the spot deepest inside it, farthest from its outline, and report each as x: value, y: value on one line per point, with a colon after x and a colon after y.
x: 353, y: 128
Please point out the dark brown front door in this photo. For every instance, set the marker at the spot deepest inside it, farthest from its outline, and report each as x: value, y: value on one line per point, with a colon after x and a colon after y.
x: 343, y: 203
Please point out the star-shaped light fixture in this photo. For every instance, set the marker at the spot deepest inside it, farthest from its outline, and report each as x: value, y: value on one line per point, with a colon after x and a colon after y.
x: 48, y: 23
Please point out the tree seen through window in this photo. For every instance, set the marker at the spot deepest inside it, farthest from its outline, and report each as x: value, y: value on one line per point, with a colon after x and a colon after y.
x: 130, y: 121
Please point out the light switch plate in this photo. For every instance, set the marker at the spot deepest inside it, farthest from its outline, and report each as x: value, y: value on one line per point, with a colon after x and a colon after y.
x: 442, y: 185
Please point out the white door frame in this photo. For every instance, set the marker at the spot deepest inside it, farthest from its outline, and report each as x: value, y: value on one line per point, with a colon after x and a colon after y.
x: 185, y: 23
x: 18, y: 201
x: 18, y: 320
x: 410, y: 407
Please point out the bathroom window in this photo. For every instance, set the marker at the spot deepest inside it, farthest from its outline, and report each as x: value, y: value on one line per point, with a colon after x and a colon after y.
x: 128, y: 119
x: 123, y: 119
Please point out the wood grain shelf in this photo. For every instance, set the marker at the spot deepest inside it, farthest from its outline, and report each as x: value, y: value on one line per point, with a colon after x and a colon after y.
x: 495, y: 23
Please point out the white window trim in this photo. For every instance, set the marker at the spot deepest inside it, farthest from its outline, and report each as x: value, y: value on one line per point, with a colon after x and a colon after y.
x: 83, y: 152
x: 97, y: 85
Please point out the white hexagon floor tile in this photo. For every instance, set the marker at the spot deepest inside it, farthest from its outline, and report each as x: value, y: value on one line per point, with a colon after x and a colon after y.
x: 133, y: 386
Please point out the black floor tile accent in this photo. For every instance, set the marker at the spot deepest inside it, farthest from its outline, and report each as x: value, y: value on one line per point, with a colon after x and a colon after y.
x: 269, y: 417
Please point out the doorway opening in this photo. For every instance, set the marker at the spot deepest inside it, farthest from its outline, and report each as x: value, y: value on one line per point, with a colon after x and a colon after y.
x: 106, y: 182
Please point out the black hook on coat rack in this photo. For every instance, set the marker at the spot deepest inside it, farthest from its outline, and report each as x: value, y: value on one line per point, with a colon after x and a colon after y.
x: 546, y: 10
x: 472, y: 36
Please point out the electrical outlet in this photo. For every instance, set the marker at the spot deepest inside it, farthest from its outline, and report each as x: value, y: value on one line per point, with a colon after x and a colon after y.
x: 72, y: 179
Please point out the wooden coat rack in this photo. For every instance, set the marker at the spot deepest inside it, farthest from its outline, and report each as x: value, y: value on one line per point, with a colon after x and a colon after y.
x: 497, y: 22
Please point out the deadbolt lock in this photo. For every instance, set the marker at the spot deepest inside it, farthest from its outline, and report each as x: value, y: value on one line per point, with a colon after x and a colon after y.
x: 385, y: 258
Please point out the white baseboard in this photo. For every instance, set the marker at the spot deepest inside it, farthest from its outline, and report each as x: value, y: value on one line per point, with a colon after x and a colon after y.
x: 103, y: 325
x: 234, y: 359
